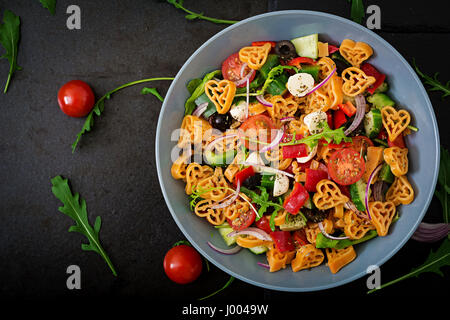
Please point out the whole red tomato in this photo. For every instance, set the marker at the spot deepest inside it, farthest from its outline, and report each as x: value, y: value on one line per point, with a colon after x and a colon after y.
x: 76, y: 98
x: 183, y: 264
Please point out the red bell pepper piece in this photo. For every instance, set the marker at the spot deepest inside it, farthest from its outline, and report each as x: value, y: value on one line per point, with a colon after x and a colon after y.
x: 313, y: 177
x: 383, y: 134
x: 348, y: 108
x: 339, y: 119
x: 295, y: 151
x: 296, y: 199
x: 283, y: 241
x: 330, y: 119
x: 371, y: 71
x: 398, y: 142
x: 299, y: 237
x: 299, y: 60
x: 242, y: 175
x: 332, y: 49
x: 261, y: 43
x: 263, y: 224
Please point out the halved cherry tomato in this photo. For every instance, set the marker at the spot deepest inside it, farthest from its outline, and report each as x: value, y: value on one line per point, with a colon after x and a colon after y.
x: 313, y: 176
x: 330, y: 119
x: 299, y: 237
x: 75, y: 98
x: 398, y: 142
x: 182, y: 264
x: 242, y: 175
x: 231, y: 69
x: 264, y: 224
x: 346, y: 166
x: 261, y: 43
x: 297, y: 61
x: 259, y: 129
x: 295, y: 151
x: 243, y: 221
x: 283, y: 240
x: 296, y: 199
x: 339, y: 119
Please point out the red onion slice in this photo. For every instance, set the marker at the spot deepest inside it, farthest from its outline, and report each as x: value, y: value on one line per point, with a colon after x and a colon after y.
x: 211, y: 145
x: 233, y: 250
x: 264, y: 102
x: 322, y: 229
x: 244, y: 65
x: 369, y: 181
x: 275, y: 141
x: 269, y: 169
x: 247, y: 98
x: 251, y: 231
x: 431, y: 232
x: 264, y: 265
x: 240, y: 82
x: 200, y: 109
x: 378, y: 190
x: 322, y: 83
x: 286, y: 119
x: 228, y: 200
x: 360, y: 112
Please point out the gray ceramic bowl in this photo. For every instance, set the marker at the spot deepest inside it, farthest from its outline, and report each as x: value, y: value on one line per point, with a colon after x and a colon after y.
x: 405, y: 87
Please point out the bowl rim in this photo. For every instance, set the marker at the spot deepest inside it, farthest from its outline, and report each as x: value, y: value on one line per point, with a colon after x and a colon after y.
x: 393, y: 250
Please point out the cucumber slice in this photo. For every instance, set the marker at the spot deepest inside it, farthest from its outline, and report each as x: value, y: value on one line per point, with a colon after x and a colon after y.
x: 294, y: 222
x: 309, y: 204
x: 268, y: 181
x: 224, y: 231
x: 373, y: 123
x: 386, y: 174
x: 358, y: 193
x: 307, y: 46
x: 258, y: 249
x: 210, y: 110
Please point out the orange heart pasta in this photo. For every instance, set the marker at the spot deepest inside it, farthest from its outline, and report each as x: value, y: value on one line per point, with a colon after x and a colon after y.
x: 287, y: 154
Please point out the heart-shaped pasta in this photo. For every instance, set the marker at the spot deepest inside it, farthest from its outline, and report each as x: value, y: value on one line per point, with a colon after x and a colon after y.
x: 326, y: 66
x: 382, y: 214
x: 214, y: 187
x: 194, y: 173
x: 214, y: 216
x: 282, y: 107
x: 400, y: 192
x: 255, y: 56
x: 278, y: 260
x: 192, y: 131
x: 312, y: 229
x: 178, y: 169
x: 221, y: 93
x: 397, y: 159
x: 237, y: 208
x: 318, y: 101
x: 328, y: 195
x: 307, y: 257
x: 246, y: 241
x: 339, y: 258
x: 333, y: 89
x: 395, y: 122
x: 355, y: 52
x: 355, y: 81
x: 356, y: 227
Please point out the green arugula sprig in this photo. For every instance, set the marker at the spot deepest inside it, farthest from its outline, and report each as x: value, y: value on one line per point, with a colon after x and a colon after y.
x: 262, y: 200
x: 152, y: 91
x: 442, y: 191
x: 9, y: 39
x: 100, y: 106
x: 77, y: 211
x: 50, y: 5
x: 433, y: 82
x: 193, y: 15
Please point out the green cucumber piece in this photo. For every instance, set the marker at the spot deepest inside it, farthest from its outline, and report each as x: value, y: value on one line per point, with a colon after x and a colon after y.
x: 358, y: 194
x: 224, y: 231
x: 380, y: 100
x: 307, y: 46
x: 373, y: 123
x: 268, y: 181
x: 278, y: 86
x: 312, y: 70
x: 219, y: 159
x: 382, y: 88
x: 309, y: 204
x: 258, y: 249
x: 294, y: 222
x: 386, y: 174
x: 211, y: 109
x: 272, y: 61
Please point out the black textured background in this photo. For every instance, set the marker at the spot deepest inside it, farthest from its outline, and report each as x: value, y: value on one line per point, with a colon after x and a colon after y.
x: 114, y: 168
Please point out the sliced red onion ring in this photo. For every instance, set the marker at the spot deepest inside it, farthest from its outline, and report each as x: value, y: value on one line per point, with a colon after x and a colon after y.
x: 247, y: 98
x: 286, y: 119
x: 322, y: 229
x: 251, y: 231
x: 369, y: 181
x: 266, y: 103
x: 244, y: 65
x: 431, y: 232
x: 378, y: 190
x: 351, y: 206
x: 360, y: 112
x: 244, y: 79
x: 322, y: 83
x: 210, y: 146
x: 269, y: 169
x: 275, y: 141
x: 264, y: 265
x: 200, y: 109
x: 233, y: 250
x: 228, y: 200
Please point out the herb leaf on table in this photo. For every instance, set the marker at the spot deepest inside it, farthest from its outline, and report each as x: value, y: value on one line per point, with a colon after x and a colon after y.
x: 50, y: 5
x: 433, y: 82
x: 9, y: 39
x: 152, y: 91
x: 357, y: 12
x: 193, y: 15
x: 76, y: 209
x: 442, y: 191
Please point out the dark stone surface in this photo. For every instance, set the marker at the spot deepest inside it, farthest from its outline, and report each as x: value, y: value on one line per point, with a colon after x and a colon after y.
x: 114, y: 168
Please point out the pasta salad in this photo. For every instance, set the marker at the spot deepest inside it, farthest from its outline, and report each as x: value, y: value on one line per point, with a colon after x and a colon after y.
x: 293, y: 149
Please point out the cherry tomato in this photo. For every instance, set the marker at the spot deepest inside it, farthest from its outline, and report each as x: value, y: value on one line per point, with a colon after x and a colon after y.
x: 360, y: 144
x: 76, y: 98
x: 398, y: 142
x: 257, y: 128
x: 183, y: 264
x: 346, y: 166
x: 299, y: 237
x: 231, y: 69
x: 243, y: 221
x: 264, y: 224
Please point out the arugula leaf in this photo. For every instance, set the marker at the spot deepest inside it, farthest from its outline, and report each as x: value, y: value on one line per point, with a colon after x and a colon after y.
x: 262, y: 200
x: 9, y: 39
x: 433, y: 82
x: 190, y: 105
x: 193, y: 84
x: 357, y: 10
x: 100, y: 106
x: 50, y: 5
x: 77, y: 211
x: 434, y: 263
x: 152, y: 91
x: 274, y: 72
x: 193, y: 15
x: 442, y: 192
